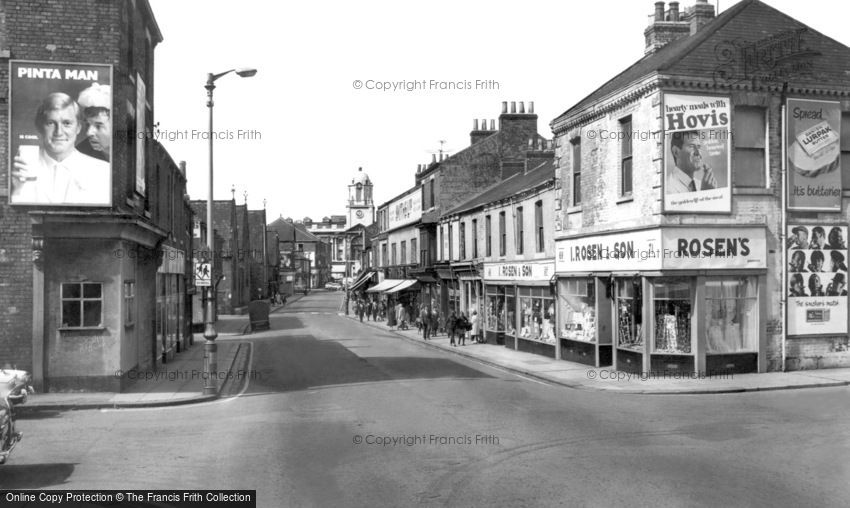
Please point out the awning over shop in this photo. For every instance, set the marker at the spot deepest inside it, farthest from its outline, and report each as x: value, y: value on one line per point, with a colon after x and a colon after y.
x: 362, y: 280
x: 409, y: 285
x: 385, y: 285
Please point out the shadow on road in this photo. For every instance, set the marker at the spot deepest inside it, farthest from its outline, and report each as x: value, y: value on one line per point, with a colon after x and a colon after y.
x: 33, y: 476
x: 302, y: 362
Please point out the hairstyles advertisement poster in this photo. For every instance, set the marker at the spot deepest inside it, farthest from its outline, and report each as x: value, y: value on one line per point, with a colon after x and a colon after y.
x: 60, y: 134
x: 814, y: 155
x: 817, y: 279
x: 696, y: 154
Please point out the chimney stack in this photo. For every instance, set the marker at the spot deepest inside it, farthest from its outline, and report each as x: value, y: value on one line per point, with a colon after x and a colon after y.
x: 659, y: 11
x: 699, y: 15
x: 665, y: 29
x: 674, y: 11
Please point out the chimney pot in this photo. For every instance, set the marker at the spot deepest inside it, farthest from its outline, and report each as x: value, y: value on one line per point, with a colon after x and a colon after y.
x: 504, y: 107
x: 659, y: 11
x: 513, y: 107
x: 530, y: 107
x: 674, y: 11
x: 483, y: 124
x: 522, y: 108
x: 475, y: 125
x: 433, y: 158
x: 492, y: 125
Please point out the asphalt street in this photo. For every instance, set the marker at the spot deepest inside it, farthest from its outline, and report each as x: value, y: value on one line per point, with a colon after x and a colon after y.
x: 334, y: 413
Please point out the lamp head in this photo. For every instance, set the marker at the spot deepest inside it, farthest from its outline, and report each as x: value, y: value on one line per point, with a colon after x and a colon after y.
x: 245, y: 72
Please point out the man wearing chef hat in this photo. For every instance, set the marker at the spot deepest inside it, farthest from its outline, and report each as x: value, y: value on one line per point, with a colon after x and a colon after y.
x: 96, y: 103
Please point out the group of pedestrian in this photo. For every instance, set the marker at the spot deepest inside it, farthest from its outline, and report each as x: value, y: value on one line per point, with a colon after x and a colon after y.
x: 369, y: 308
x: 428, y: 321
x: 458, y: 327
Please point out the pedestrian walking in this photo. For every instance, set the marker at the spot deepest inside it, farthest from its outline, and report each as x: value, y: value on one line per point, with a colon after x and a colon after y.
x: 476, y: 327
x: 360, y: 310
x: 451, y: 322
x: 462, y: 326
x: 376, y: 309
x: 368, y: 310
x: 425, y: 318
x: 435, y: 321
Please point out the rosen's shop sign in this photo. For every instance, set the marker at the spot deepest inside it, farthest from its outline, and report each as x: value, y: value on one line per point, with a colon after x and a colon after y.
x: 665, y: 249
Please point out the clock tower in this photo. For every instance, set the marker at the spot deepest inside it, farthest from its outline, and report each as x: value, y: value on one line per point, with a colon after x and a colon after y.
x: 361, y: 208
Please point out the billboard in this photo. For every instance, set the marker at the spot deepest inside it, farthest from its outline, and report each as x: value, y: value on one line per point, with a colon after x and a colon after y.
x: 696, y: 154
x: 817, y: 279
x: 814, y: 155
x: 60, y: 134
x: 405, y: 210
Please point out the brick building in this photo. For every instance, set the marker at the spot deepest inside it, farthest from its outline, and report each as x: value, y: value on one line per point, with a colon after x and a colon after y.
x: 493, y: 155
x: 679, y: 201
x: 93, y: 241
x: 500, y: 247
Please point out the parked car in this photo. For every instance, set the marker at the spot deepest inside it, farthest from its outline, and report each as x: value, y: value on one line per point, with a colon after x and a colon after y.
x: 333, y: 286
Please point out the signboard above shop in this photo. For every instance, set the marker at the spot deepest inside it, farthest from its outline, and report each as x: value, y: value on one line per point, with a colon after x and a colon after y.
x: 670, y: 248
x: 527, y: 271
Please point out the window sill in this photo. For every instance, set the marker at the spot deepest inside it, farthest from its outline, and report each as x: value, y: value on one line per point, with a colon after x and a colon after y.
x: 625, y: 199
x: 82, y: 329
x: 752, y: 191
x: 574, y: 209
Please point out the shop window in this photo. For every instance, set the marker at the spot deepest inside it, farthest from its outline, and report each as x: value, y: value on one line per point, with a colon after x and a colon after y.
x: 578, y: 310
x: 82, y: 304
x: 495, y: 308
x: 749, y: 166
x: 626, y: 157
x: 129, y: 302
x: 672, y: 304
x: 510, y: 311
x: 731, y: 315
x: 629, y: 304
x: 845, y: 150
x: 520, y: 230
x: 537, y: 314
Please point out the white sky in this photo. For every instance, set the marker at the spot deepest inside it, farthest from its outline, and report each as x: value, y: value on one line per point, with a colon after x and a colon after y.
x: 316, y: 129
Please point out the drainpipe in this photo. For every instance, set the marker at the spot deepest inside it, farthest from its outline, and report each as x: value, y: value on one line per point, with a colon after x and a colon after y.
x: 783, y: 305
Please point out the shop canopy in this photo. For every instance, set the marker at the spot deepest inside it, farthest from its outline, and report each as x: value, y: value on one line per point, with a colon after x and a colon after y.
x: 385, y: 285
x: 409, y: 285
x: 362, y: 280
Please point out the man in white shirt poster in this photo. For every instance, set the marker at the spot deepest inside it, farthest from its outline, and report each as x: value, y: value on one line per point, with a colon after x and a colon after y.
x: 56, y: 173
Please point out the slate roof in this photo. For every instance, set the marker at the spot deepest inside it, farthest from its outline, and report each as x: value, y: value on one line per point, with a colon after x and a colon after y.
x: 701, y: 55
x: 509, y: 187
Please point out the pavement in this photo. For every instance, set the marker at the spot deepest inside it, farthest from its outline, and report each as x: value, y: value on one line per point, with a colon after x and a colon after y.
x: 179, y: 381
x: 579, y: 376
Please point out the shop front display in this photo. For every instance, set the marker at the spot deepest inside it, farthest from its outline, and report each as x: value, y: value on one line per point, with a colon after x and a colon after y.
x: 520, y: 306
x: 682, y: 299
x: 583, y: 305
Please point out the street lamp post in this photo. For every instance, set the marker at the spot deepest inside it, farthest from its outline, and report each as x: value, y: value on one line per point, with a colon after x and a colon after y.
x: 210, y: 347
